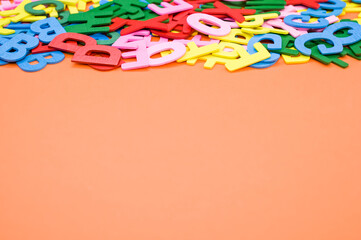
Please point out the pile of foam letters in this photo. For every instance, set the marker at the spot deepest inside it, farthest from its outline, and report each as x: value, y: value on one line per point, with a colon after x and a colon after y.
x: 133, y: 34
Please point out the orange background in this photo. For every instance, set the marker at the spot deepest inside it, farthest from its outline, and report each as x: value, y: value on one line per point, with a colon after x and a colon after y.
x: 181, y: 153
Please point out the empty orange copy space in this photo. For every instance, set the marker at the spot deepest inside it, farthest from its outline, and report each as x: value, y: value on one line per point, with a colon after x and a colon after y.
x: 181, y: 153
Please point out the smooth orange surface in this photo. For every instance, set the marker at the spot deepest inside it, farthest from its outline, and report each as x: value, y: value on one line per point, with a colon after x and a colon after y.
x: 181, y: 153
